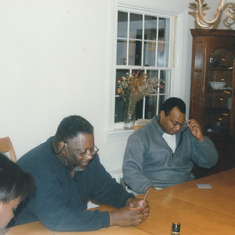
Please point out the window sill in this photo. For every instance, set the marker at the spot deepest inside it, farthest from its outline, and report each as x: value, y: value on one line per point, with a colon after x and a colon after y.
x: 118, y: 135
x: 119, y: 132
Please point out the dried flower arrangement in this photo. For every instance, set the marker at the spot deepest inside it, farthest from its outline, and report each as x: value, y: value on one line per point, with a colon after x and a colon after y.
x: 134, y: 87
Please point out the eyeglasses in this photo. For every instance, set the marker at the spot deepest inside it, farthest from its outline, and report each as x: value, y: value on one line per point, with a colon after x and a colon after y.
x: 185, y: 123
x: 91, y: 152
x: 179, y: 124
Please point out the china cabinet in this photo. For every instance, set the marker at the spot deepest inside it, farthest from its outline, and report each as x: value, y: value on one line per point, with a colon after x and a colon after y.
x: 212, y: 101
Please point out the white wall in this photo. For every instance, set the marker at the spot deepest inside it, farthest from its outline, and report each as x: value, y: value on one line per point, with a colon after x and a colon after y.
x: 56, y: 59
x: 54, y: 62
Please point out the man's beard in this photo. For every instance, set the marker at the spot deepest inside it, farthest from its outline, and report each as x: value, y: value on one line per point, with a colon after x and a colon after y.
x: 78, y: 168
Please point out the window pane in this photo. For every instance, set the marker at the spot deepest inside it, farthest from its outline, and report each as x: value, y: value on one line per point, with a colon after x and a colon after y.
x: 150, y: 29
x: 135, y: 49
x: 166, y: 81
x: 121, y: 52
x: 119, y: 105
x: 122, y: 24
x: 162, y: 99
x: 149, y: 53
x: 135, y: 26
x: 150, y: 107
x: 120, y: 73
x: 162, y: 54
x: 139, y: 110
x: 119, y: 110
x: 163, y: 42
x: 163, y: 30
x: 152, y: 73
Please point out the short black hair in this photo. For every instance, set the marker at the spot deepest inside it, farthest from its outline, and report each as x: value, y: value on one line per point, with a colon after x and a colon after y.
x: 172, y: 102
x: 14, y: 182
x: 71, y: 126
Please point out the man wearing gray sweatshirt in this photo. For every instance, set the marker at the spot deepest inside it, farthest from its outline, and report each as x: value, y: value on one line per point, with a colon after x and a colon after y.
x: 162, y: 153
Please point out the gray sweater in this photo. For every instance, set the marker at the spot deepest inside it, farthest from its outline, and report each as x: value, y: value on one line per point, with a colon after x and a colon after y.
x: 149, y: 161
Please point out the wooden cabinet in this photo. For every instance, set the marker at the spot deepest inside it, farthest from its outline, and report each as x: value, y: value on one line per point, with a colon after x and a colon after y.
x: 212, y: 101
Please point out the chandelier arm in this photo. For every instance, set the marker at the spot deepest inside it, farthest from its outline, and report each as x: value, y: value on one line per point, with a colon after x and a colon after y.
x: 202, y: 24
x: 230, y: 12
x: 217, y: 12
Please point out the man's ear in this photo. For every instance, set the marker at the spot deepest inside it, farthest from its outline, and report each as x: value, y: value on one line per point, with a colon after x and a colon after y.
x: 62, y: 144
x: 162, y: 114
x: 1, y: 205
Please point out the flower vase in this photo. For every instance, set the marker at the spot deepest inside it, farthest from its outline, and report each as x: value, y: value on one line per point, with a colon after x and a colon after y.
x: 129, y: 115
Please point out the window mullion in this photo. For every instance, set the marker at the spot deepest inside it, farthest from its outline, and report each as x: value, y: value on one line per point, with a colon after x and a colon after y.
x: 156, y: 53
x: 142, y: 50
x: 128, y: 38
x: 143, y: 113
x: 142, y: 60
x: 158, y: 93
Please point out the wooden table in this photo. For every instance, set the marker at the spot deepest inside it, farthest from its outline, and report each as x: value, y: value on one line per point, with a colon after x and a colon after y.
x: 200, y: 211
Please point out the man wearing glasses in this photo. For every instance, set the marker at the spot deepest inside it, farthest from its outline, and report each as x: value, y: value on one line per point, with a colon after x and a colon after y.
x: 68, y: 173
x: 162, y: 153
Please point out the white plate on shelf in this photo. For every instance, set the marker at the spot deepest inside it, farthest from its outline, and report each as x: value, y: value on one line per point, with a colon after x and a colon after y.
x: 218, y: 85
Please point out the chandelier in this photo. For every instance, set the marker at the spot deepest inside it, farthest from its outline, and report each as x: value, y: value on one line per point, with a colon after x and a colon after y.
x: 201, y: 21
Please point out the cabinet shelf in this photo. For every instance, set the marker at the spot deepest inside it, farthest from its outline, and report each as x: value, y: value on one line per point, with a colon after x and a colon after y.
x: 222, y: 68
x: 229, y: 89
x: 217, y: 110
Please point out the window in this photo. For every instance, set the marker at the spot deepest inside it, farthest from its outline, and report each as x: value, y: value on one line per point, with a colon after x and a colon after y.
x: 143, y: 42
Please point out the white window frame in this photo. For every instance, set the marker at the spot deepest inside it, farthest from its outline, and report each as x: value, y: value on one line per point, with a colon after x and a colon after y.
x: 118, y: 127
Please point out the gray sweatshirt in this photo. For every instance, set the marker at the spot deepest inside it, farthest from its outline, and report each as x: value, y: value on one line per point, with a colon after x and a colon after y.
x: 149, y: 161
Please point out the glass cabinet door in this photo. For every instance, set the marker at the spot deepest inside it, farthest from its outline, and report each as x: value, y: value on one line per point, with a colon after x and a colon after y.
x: 219, y: 91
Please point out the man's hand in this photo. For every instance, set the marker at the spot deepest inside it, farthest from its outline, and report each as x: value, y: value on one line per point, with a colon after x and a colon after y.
x: 196, y: 129
x: 135, y: 202
x: 132, y: 214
